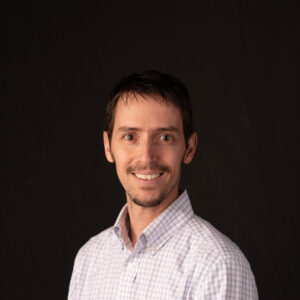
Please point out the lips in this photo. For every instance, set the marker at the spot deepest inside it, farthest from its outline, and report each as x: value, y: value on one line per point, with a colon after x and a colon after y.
x: 147, y: 176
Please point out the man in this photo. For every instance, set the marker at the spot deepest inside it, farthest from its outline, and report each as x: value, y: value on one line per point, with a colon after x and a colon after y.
x: 158, y: 248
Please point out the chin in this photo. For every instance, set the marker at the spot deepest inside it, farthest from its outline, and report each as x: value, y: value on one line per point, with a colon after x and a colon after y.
x: 147, y: 201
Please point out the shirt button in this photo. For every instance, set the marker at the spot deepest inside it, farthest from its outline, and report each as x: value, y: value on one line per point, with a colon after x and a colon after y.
x: 153, y: 249
x: 130, y: 267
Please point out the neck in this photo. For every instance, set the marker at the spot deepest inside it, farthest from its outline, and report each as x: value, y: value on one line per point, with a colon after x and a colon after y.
x: 140, y: 217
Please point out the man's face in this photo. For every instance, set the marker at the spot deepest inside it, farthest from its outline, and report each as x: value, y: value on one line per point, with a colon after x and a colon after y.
x: 148, y: 148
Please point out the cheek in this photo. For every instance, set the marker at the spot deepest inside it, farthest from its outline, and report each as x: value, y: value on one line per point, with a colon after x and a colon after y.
x: 122, y: 159
x: 175, y: 159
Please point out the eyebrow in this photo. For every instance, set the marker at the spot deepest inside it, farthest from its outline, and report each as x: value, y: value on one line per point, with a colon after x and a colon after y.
x: 160, y: 129
x: 124, y: 128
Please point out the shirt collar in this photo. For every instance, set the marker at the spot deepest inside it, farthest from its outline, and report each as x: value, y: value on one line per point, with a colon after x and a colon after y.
x: 121, y: 227
x: 162, y: 228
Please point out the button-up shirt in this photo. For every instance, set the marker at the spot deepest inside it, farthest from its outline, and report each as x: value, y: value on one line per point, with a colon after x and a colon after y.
x: 178, y: 256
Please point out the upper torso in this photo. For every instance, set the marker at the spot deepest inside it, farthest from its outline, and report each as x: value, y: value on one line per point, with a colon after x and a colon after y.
x: 178, y: 256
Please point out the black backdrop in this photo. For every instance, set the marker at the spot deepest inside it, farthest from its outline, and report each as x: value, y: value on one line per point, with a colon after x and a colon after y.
x: 238, y: 59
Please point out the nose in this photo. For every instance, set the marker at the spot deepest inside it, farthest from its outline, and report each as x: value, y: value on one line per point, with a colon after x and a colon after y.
x: 148, y: 152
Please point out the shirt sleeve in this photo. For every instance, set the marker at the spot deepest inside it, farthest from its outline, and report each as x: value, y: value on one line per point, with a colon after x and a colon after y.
x: 74, y: 287
x: 228, y: 278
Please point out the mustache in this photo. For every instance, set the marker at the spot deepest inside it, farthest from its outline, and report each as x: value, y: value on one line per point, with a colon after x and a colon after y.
x: 154, y: 167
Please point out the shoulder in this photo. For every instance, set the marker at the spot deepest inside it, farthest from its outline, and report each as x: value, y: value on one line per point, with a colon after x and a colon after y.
x: 89, y: 255
x: 208, y: 239
x: 220, y: 267
x: 210, y: 249
x: 95, y: 245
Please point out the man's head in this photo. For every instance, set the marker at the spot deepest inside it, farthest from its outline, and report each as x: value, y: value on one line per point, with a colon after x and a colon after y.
x: 149, y: 134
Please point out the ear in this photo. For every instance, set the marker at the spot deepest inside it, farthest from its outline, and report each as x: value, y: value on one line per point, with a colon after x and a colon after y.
x: 107, y: 149
x: 191, y: 148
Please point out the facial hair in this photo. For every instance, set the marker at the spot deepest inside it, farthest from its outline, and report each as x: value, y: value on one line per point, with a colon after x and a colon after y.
x: 163, y: 194
x: 153, y: 203
x: 158, y: 200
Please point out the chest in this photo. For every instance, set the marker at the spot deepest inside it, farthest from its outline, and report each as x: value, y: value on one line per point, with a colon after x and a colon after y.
x: 119, y: 274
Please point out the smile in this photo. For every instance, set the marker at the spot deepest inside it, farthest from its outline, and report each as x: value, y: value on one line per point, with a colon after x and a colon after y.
x: 147, y: 176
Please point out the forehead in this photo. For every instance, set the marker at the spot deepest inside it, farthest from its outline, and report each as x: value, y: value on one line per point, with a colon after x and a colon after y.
x: 146, y: 111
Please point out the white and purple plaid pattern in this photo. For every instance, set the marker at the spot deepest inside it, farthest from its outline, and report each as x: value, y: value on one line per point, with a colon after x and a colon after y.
x: 178, y: 256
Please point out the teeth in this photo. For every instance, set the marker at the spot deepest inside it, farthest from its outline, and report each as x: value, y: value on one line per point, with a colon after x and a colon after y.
x: 147, y: 177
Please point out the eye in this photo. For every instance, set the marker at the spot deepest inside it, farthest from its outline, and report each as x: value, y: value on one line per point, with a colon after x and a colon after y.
x: 128, y: 137
x: 165, y: 137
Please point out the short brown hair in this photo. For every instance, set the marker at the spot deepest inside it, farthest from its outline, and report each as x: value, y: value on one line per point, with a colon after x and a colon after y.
x: 166, y: 86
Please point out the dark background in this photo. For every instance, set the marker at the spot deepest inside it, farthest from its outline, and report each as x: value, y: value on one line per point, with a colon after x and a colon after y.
x: 238, y: 59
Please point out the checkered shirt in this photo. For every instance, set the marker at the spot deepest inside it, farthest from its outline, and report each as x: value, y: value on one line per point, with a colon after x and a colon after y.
x: 178, y: 256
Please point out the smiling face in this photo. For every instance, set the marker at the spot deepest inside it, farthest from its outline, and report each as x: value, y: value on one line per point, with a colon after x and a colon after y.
x: 148, y: 148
